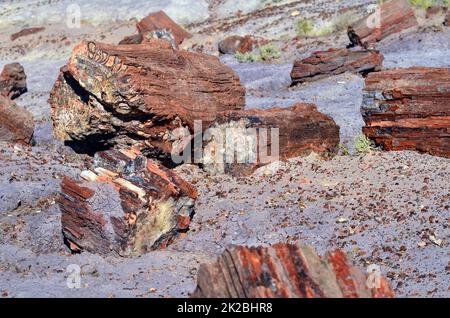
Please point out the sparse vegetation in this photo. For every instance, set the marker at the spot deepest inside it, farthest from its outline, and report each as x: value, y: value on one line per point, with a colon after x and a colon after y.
x: 307, y: 27
x: 423, y: 4
x: 264, y: 53
x: 363, y: 145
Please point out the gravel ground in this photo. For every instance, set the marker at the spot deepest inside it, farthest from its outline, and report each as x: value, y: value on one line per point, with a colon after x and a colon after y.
x: 389, y: 209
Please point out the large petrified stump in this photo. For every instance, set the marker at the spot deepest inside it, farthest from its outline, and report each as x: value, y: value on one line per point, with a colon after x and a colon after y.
x: 409, y: 109
x: 16, y: 123
x: 288, y: 271
x: 335, y: 61
x: 13, y: 81
x: 241, y: 141
x: 126, y: 204
x: 146, y: 95
x: 391, y: 17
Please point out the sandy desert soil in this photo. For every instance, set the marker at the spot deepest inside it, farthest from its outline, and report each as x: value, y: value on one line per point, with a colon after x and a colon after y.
x: 390, y: 209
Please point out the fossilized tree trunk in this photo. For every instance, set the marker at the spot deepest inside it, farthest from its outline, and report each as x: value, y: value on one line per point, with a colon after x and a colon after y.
x: 13, y: 81
x: 335, y: 61
x: 125, y: 204
x: 288, y: 271
x: 145, y: 95
x: 392, y: 17
x: 241, y: 141
x: 16, y: 123
x: 409, y: 109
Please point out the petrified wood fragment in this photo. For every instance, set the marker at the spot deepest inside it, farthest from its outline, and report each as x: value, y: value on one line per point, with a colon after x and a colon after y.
x: 409, y: 109
x: 335, y: 61
x: 158, y: 21
x: 236, y: 43
x: 145, y: 95
x: 287, y: 271
x: 16, y: 123
x: 391, y: 17
x: 13, y: 81
x: 126, y: 204
x: 241, y: 141
x: 25, y: 32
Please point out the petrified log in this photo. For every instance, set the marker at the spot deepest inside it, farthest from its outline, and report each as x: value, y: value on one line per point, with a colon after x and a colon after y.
x: 145, y: 95
x: 391, y: 17
x: 159, y: 21
x: 16, y: 123
x: 335, y: 61
x: 126, y: 205
x: 235, y: 43
x: 409, y: 109
x: 287, y: 271
x: 25, y: 32
x: 241, y: 141
x: 13, y: 81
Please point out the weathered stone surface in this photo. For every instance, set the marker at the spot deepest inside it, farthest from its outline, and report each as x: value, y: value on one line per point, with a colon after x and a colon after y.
x: 287, y: 271
x: 25, y: 32
x: 392, y: 17
x: 16, y: 123
x: 145, y: 95
x: 159, y: 21
x: 126, y: 204
x: 409, y: 109
x: 149, y: 36
x: 235, y: 43
x: 335, y: 61
x: 261, y: 137
x: 13, y: 81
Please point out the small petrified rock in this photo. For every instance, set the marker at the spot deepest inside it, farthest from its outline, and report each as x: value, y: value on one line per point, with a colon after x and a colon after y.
x: 158, y: 21
x: 132, y: 39
x: 13, y: 80
x: 25, y: 32
x: 235, y: 43
x: 335, y: 61
x: 409, y: 109
x: 286, y: 271
x: 147, y: 95
x: 16, y: 123
x: 391, y: 17
x: 241, y: 141
x: 126, y: 204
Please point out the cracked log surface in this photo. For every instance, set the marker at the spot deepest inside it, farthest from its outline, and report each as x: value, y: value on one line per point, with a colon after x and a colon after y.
x: 125, y: 204
x: 409, y: 109
x: 323, y: 64
x: 301, y: 129
x: 392, y: 17
x: 145, y: 95
x: 288, y: 271
x: 16, y: 123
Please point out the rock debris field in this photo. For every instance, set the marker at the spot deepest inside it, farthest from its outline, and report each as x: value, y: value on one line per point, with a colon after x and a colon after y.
x: 382, y: 207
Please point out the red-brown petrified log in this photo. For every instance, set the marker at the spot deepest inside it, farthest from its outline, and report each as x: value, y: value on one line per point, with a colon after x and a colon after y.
x: 335, y: 61
x: 391, y: 17
x: 16, y: 123
x: 255, y: 134
x: 125, y: 204
x: 287, y: 271
x: 160, y: 21
x: 13, y: 80
x: 235, y: 43
x: 139, y: 95
x: 25, y: 32
x: 409, y: 109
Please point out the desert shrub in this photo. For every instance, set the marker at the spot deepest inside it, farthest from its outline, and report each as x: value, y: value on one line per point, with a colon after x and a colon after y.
x: 269, y: 52
x: 305, y: 27
x: 422, y: 4
x: 264, y: 53
x: 363, y: 145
